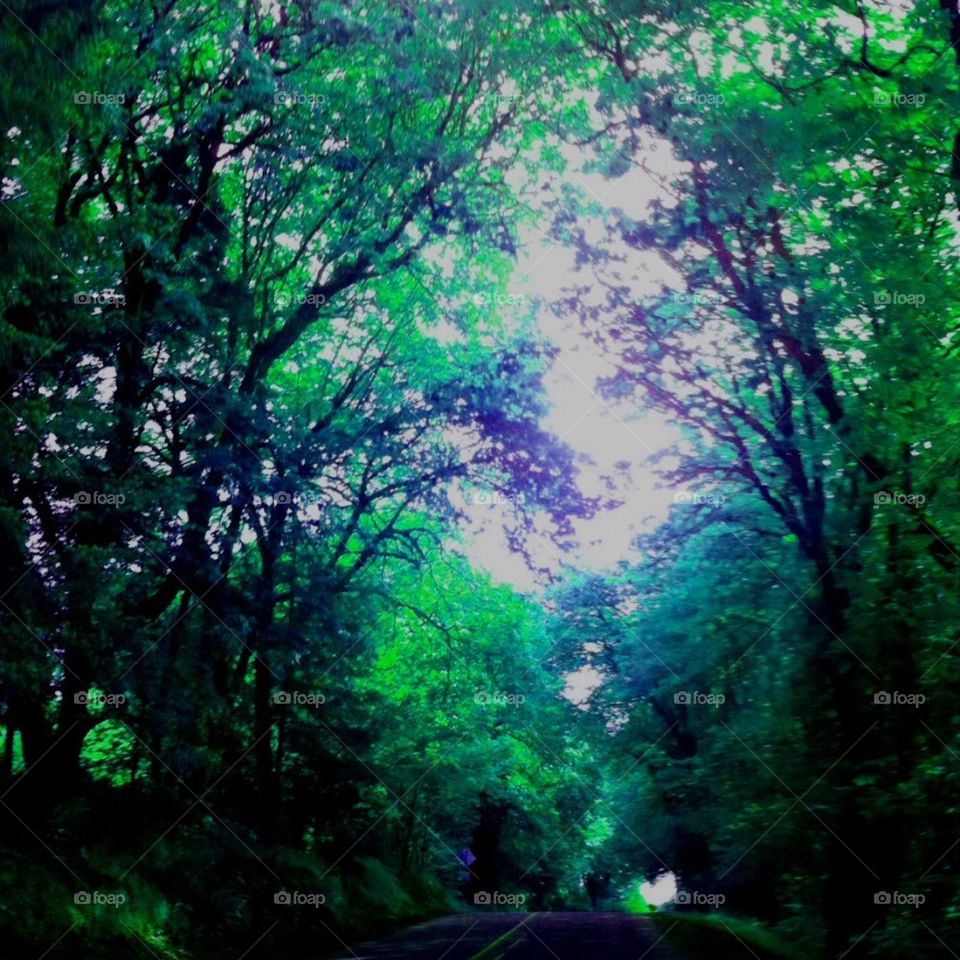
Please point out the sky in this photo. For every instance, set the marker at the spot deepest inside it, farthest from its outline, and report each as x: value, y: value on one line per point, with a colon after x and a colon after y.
x: 608, y: 435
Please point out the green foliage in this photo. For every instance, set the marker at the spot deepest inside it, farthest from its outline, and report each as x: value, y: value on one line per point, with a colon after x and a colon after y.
x: 253, y: 363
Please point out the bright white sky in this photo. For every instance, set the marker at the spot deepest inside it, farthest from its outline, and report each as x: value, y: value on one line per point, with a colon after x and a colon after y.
x: 608, y: 435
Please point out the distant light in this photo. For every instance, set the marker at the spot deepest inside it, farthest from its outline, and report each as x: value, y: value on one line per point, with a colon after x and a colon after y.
x: 661, y: 890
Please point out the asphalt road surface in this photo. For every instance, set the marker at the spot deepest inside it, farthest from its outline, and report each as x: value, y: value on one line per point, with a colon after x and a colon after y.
x: 540, y: 936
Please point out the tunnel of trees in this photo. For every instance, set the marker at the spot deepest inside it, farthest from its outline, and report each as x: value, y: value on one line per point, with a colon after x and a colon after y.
x: 265, y: 372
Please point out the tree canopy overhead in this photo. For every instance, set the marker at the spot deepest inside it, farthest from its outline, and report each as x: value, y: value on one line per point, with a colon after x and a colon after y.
x: 264, y: 364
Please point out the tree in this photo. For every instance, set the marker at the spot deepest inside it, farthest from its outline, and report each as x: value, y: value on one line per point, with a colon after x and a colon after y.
x: 781, y: 345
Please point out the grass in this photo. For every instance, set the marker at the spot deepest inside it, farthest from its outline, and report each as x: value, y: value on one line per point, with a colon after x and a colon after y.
x: 720, y: 937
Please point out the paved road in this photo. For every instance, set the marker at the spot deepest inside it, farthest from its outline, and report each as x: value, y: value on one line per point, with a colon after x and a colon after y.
x: 534, y: 936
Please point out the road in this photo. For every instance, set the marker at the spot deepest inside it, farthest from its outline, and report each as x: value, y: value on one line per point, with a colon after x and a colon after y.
x: 550, y: 936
